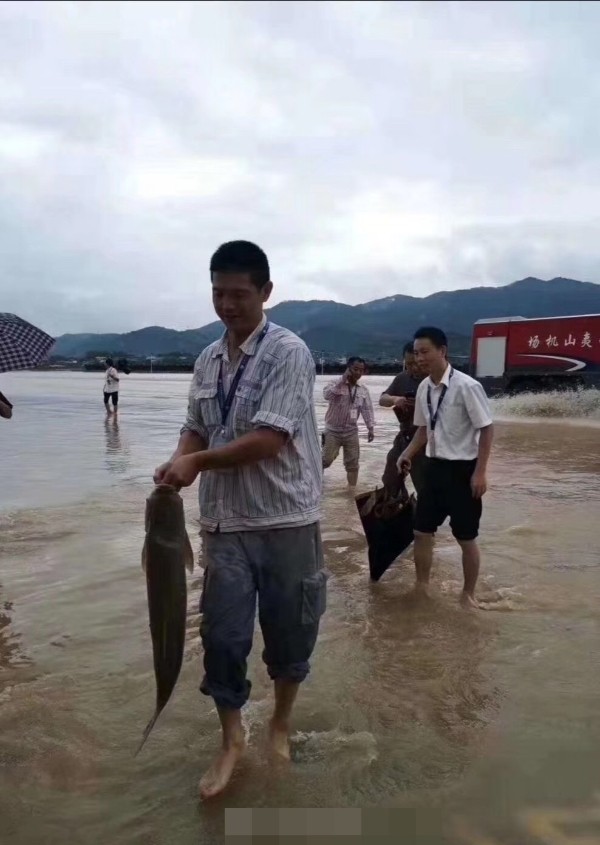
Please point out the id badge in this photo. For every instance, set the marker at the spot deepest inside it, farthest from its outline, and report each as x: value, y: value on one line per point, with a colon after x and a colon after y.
x: 431, y: 444
x: 219, y: 438
x: 353, y: 414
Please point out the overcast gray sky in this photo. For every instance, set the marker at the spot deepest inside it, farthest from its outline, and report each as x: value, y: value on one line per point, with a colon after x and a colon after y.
x: 369, y: 148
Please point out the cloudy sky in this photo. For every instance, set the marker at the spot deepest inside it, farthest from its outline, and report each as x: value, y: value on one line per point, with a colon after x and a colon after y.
x: 369, y: 148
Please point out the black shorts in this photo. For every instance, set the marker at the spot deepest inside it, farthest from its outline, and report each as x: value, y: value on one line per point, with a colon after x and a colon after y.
x: 446, y: 492
x: 114, y: 396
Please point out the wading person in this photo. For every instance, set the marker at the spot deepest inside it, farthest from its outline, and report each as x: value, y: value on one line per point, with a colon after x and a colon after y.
x: 453, y: 416
x: 400, y: 396
x: 251, y: 433
x: 111, y: 387
x: 6, y: 407
x: 347, y: 400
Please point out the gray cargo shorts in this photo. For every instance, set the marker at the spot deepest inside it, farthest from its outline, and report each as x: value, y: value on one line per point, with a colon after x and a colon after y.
x: 284, y: 568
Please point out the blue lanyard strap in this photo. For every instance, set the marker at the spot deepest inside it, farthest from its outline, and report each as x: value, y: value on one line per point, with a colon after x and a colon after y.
x: 434, y: 417
x: 225, y: 402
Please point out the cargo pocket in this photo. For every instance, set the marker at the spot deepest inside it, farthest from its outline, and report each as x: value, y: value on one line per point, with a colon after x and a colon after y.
x: 314, y: 597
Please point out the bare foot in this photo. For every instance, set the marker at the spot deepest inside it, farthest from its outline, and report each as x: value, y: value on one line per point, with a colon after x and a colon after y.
x: 218, y: 776
x: 279, y: 741
x: 468, y: 602
x: 421, y: 591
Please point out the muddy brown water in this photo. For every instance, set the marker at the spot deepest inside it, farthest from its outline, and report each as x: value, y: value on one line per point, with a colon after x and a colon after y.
x: 463, y: 722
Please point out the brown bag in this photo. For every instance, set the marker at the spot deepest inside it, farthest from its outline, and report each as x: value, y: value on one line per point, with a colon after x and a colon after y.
x: 388, y: 525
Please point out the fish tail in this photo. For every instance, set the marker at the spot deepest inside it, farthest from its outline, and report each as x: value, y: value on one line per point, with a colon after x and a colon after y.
x: 146, y: 733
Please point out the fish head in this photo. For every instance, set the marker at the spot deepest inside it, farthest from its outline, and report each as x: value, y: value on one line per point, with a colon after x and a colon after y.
x: 164, y: 512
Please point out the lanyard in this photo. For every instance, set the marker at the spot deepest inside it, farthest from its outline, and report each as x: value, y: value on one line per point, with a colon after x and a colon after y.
x: 433, y: 417
x: 352, y: 395
x: 225, y: 402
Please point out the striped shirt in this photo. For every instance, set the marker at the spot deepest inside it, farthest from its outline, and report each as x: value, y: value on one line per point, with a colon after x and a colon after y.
x: 346, y: 402
x: 276, y: 390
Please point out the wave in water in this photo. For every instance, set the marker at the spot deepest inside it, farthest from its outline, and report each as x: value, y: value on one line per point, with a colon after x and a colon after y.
x: 572, y: 404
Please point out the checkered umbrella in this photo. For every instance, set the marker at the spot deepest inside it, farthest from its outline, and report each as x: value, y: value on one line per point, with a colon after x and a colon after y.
x: 22, y: 346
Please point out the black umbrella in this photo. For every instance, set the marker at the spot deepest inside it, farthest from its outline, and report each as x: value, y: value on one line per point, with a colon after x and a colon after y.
x: 22, y: 346
x: 388, y: 525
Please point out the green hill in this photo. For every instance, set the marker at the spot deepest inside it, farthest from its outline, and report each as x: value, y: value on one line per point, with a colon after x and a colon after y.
x: 374, y: 329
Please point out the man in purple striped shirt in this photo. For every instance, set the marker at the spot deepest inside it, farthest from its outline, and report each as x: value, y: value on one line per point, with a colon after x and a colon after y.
x: 347, y: 399
x: 251, y: 433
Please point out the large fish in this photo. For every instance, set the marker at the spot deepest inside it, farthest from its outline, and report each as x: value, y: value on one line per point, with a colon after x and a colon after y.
x: 166, y: 554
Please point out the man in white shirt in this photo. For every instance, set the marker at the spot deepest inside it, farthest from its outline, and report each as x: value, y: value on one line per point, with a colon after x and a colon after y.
x: 454, y: 421
x: 111, y: 387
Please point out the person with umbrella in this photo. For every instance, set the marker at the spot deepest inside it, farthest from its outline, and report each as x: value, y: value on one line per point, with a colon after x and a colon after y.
x: 22, y: 347
x: 5, y: 407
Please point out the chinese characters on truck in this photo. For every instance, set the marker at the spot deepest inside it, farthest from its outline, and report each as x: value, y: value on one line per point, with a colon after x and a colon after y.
x: 583, y: 341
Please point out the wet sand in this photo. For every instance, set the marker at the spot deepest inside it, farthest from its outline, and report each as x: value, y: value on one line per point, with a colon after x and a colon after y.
x: 465, y: 719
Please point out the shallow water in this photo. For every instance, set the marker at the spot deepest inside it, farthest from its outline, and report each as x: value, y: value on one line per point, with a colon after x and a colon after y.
x: 467, y: 720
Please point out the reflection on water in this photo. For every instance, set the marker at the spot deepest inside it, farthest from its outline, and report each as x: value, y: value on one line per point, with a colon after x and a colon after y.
x: 480, y: 716
x: 117, y: 455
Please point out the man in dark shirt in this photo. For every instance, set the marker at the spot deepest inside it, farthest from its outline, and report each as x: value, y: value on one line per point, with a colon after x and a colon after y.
x: 400, y: 396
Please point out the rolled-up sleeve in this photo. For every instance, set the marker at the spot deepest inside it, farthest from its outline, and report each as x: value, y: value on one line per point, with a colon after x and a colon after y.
x: 477, y: 405
x: 287, y: 392
x: 194, y: 421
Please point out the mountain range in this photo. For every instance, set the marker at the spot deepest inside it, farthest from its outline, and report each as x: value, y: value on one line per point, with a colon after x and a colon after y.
x: 375, y: 330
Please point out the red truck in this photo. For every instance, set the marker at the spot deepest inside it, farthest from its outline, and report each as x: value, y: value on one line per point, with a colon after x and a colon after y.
x: 517, y: 354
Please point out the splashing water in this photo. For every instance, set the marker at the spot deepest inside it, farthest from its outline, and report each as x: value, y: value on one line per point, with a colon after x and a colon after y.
x: 560, y: 404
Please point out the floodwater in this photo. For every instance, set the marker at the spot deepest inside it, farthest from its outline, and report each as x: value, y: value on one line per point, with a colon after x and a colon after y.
x: 472, y: 727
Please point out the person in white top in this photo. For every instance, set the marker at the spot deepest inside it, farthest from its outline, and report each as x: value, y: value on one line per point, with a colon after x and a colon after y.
x: 454, y: 421
x: 111, y: 386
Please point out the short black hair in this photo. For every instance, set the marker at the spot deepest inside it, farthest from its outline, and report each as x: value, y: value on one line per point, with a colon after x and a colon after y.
x: 435, y: 335
x: 242, y: 257
x: 408, y: 349
x: 109, y: 362
x: 356, y: 360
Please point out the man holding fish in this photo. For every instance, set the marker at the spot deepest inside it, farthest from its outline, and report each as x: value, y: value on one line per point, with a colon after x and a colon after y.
x: 251, y: 434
